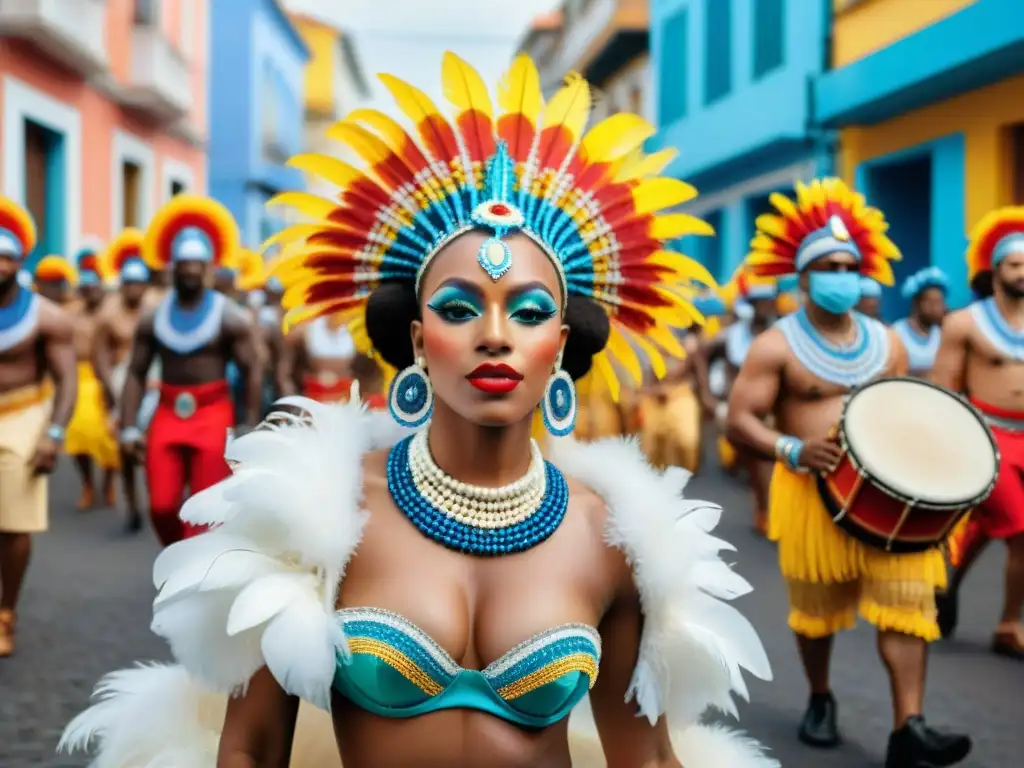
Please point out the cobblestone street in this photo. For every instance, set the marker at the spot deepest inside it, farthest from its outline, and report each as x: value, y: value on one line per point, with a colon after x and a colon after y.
x: 86, y: 608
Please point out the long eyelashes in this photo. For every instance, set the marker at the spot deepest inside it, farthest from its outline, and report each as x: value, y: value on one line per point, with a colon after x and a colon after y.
x: 455, y: 306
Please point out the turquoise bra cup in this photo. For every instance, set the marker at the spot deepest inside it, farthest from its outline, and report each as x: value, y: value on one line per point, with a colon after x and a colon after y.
x: 397, y: 670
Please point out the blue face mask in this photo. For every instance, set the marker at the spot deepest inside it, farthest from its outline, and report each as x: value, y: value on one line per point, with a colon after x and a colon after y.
x: 835, y: 292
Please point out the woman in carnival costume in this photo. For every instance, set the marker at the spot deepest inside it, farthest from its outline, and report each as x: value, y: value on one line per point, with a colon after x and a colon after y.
x: 921, y: 330
x: 801, y: 371
x: 391, y: 573
x: 90, y: 437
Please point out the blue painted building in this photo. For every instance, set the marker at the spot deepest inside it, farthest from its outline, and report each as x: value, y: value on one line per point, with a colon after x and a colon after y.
x: 732, y: 83
x: 928, y: 102
x: 257, y: 81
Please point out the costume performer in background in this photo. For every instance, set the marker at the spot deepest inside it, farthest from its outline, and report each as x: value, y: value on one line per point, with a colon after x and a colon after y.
x: 56, y: 280
x: 921, y: 330
x: 489, y: 295
x: 91, y: 439
x: 115, y: 331
x: 733, y: 344
x: 800, y: 370
x: 870, y: 303
x: 317, y: 361
x: 37, y: 394
x: 982, y: 355
x: 194, y: 332
x: 788, y: 299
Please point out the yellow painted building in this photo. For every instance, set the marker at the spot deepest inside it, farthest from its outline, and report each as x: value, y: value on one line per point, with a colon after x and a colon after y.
x: 928, y: 101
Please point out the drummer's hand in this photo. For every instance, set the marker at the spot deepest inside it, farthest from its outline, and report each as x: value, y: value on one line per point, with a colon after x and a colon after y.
x: 820, y: 455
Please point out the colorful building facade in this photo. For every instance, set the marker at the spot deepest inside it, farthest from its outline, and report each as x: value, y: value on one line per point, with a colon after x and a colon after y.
x: 257, y: 71
x: 335, y: 85
x: 928, y: 98
x: 102, y: 112
x: 732, y: 94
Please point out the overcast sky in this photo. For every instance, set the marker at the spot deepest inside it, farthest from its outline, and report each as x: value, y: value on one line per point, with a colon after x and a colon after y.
x: 407, y: 38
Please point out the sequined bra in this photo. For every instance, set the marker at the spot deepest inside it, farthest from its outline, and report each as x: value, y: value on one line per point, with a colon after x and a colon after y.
x: 396, y: 670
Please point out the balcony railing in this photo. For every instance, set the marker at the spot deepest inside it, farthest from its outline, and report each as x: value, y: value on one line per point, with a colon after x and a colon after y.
x: 69, y: 31
x: 159, y: 82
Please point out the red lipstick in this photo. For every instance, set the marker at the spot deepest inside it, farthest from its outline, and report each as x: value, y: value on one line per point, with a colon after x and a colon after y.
x: 495, y: 378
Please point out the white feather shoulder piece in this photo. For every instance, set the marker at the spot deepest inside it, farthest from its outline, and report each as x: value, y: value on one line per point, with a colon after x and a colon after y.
x: 694, y: 644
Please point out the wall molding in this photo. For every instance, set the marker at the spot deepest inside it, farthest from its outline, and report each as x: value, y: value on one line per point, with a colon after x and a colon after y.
x: 759, y: 185
x: 130, y: 148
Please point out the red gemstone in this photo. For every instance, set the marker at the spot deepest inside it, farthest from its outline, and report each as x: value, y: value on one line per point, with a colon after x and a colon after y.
x: 500, y: 209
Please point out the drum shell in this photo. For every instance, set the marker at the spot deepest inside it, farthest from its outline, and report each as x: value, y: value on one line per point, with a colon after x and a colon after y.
x: 880, y: 519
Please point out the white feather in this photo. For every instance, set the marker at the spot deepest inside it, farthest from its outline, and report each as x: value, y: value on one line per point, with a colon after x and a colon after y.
x: 264, y: 598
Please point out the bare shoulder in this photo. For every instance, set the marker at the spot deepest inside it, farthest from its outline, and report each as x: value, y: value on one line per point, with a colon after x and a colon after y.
x: 55, y: 323
x: 236, y: 318
x: 957, y: 326
x: 768, y: 349
x: 145, y: 326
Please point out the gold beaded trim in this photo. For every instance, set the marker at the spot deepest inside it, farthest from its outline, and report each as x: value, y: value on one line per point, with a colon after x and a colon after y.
x: 397, y: 661
x: 577, y: 662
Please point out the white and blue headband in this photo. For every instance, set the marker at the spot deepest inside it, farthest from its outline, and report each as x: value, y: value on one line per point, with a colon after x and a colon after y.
x: 192, y: 244
x: 870, y: 289
x: 134, y: 270
x: 834, y: 237
x: 1011, y: 243
x: 759, y: 291
x: 10, y: 245
x: 929, y: 277
x: 87, y: 277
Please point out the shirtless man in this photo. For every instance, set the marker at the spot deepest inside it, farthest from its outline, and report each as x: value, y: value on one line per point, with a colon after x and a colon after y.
x: 920, y: 331
x: 870, y: 303
x: 798, y: 372
x: 732, y: 344
x: 55, y: 279
x: 316, y: 361
x: 982, y: 355
x: 194, y: 332
x: 35, y: 345
x: 90, y: 438
x: 115, y: 330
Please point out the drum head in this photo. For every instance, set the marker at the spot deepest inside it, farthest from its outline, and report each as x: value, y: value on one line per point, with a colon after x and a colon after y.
x: 920, y: 441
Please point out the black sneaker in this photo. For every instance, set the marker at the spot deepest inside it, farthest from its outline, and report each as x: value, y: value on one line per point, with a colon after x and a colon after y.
x: 818, y: 727
x: 916, y: 745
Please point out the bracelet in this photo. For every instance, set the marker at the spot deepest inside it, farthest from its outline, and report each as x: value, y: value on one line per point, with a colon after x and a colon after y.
x: 131, y: 435
x: 56, y: 433
x: 787, y: 450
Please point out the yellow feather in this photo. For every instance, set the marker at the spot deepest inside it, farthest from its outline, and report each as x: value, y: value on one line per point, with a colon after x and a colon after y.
x: 674, y: 225
x: 784, y: 205
x: 639, y: 165
x: 659, y: 193
x: 772, y: 225
x: 626, y: 356
x: 294, y: 233
x: 463, y: 86
x: 662, y: 336
x: 362, y: 141
x: 603, y: 367
x: 616, y: 136
x: 384, y: 125
x: 685, y: 267
x: 307, y: 204
x: 328, y: 168
x: 654, y: 358
x: 519, y: 90
x: 411, y: 100
x: 570, y: 106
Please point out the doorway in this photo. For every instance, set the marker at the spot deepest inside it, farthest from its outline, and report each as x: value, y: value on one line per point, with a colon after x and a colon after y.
x: 1017, y: 163
x: 902, y: 189
x: 131, y: 184
x: 44, y: 188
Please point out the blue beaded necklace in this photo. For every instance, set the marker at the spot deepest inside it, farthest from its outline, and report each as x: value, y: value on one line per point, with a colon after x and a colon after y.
x: 18, y: 319
x: 845, y: 365
x: 999, y: 333
x: 437, y: 522
x: 921, y: 348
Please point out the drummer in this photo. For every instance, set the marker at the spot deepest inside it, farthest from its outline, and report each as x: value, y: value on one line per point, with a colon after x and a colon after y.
x: 920, y: 331
x: 870, y: 303
x: 800, y: 370
x: 755, y: 310
x: 982, y: 355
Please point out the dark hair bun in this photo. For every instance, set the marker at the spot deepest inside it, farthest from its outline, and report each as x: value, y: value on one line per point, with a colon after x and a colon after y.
x: 393, y: 306
x: 390, y: 311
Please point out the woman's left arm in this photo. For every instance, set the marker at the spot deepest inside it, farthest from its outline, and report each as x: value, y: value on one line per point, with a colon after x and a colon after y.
x: 629, y: 741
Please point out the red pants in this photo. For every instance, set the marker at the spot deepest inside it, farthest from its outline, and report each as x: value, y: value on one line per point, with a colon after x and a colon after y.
x: 335, y: 392
x: 1001, y: 515
x: 185, y: 446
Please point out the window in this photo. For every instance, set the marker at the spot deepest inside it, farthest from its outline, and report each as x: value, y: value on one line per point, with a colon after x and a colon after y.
x: 37, y: 151
x: 147, y: 12
x: 717, y: 50
x: 177, y: 188
x: 672, y: 91
x: 131, y: 183
x: 1017, y: 163
x: 769, y: 35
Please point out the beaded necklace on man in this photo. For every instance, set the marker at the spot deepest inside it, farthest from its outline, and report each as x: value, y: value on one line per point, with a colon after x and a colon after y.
x: 846, y: 365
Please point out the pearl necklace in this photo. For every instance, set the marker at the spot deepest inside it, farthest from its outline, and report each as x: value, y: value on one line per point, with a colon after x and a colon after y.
x: 475, y: 519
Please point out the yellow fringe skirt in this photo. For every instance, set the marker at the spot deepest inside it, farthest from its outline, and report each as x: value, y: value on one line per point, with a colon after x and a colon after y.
x: 726, y: 453
x: 670, y: 429
x: 832, y: 576
x: 89, y: 432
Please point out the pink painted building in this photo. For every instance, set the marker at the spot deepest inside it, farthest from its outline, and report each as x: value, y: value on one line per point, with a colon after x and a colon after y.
x: 102, y: 111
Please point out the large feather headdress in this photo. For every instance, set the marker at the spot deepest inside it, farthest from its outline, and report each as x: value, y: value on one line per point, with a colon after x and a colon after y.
x: 123, y: 256
x: 55, y: 269
x: 827, y: 216
x: 999, y: 233
x: 251, y: 270
x: 191, y: 228
x: 591, y: 201
x: 17, y: 230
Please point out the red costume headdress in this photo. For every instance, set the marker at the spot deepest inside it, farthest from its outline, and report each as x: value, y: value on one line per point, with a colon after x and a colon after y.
x: 998, y: 234
x: 125, y: 250
x: 191, y: 228
x: 826, y: 217
x: 17, y: 230
x: 55, y: 269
